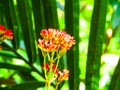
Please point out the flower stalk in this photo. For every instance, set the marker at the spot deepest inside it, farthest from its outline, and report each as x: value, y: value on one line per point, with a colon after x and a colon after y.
x: 53, y: 45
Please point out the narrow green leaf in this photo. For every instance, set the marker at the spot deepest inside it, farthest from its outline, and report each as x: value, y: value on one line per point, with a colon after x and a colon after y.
x: 15, y: 24
x: 72, y: 27
x: 22, y: 58
x: 24, y: 72
x: 26, y: 76
x: 31, y: 85
x: 39, y: 21
x: 6, y: 11
x: 50, y: 12
x: 1, y: 13
x: 25, y: 15
x: 14, y: 67
x: 118, y: 83
x: 95, y: 44
x: 7, y: 54
x: 115, y: 77
x: 38, y: 13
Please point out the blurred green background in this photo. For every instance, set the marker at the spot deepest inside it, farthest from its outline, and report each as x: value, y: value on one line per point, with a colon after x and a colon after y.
x: 93, y: 61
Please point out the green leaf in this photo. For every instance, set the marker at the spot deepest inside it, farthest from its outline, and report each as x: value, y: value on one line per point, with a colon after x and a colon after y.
x: 7, y: 54
x: 50, y: 12
x: 39, y: 20
x: 97, y: 32
x: 24, y: 72
x: 26, y: 76
x: 6, y: 11
x: 31, y: 85
x: 1, y: 13
x: 14, y: 67
x: 25, y: 16
x: 115, y: 78
x: 118, y: 83
x: 72, y: 27
x: 15, y: 24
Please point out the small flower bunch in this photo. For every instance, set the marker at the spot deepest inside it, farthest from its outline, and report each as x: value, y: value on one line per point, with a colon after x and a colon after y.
x: 5, y: 34
x: 53, y: 45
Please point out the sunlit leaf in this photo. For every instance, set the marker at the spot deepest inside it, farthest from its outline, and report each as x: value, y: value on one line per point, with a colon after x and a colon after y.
x: 7, y: 54
x: 14, y: 67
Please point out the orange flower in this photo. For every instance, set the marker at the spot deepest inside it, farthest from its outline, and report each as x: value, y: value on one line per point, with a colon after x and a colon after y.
x: 63, y: 75
x: 2, y: 29
x: 54, y: 40
x: 5, y: 34
x: 46, y: 66
x: 8, y: 34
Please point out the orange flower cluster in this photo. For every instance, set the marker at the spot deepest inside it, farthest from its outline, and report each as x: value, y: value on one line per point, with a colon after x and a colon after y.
x: 53, y: 45
x: 5, y: 34
x: 61, y: 76
x: 54, y: 40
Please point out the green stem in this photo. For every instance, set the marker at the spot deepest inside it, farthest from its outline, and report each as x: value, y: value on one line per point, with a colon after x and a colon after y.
x: 50, y: 72
x: 45, y: 72
x: 47, y: 85
x: 52, y: 55
x: 48, y: 56
x: 56, y: 65
x: 58, y: 56
x: 57, y: 84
